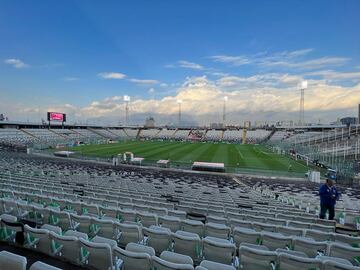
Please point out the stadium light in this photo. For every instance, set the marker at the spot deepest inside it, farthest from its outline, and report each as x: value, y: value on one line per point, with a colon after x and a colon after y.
x: 126, y: 100
x: 226, y: 98
x: 179, y: 101
x: 303, y: 86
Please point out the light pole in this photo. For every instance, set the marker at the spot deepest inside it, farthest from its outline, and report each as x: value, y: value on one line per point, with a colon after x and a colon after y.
x: 303, y: 86
x: 224, y: 111
x: 127, y: 101
x: 179, y: 101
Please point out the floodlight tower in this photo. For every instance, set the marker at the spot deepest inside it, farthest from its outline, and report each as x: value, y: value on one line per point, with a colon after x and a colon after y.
x: 303, y: 86
x: 127, y: 101
x: 224, y: 110
x: 179, y: 101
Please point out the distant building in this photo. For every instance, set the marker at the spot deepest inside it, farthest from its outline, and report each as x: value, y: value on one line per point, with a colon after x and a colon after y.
x: 247, y: 124
x: 149, y: 122
x: 348, y: 121
x: 2, y: 117
x: 216, y: 125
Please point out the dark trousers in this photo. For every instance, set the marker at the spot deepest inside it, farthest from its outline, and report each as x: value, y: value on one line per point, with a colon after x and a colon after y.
x: 325, y: 208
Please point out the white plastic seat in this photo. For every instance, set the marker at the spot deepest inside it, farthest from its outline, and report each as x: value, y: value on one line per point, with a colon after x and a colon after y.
x: 62, y: 219
x: 176, y: 258
x: 275, y: 240
x: 99, y: 255
x: 333, y: 265
x: 290, y: 231
x: 217, y: 230
x: 310, y: 247
x: 256, y: 259
x: 147, y: 219
x: 8, y: 231
x: 188, y: 244
x: 351, y: 240
x: 345, y: 252
x: 319, y: 235
x: 11, y: 261
x: 158, y: 237
x: 68, y: 247
x: 38, y: 239
x: 173, y: 223
x: 126, y: 215
x: 108, y: 213
x: 106, y: 228
x: 42, y: 266
x: 217, y: 219
x: 90, y: 209
x: 209, y: 265
x: 134, y: 247
x: 129, y: 233
x: 291, y: 262
x: 245, y: 235
x: 85, y: 224
x: 218, y: 250
x: 133, y: 260
x: 193, y: 226
x: 177, y: 213
x: 161, y: 264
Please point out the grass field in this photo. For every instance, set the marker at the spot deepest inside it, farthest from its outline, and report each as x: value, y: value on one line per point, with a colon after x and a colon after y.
x: 235, y: 156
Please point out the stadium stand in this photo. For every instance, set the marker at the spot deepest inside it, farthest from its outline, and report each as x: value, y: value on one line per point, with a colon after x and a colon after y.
x: 149, y: 133
x: 181, y: 134
x: 233, y: 135
x: 165, y: 134
x: 101, y: 217
x: 131, y: 132
x: 214, y: 135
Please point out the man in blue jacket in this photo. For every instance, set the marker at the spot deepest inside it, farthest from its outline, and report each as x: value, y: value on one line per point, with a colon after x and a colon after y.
x: 328, y: 197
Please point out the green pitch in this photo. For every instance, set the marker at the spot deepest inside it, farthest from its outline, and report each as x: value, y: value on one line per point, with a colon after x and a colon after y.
x: 236, y: 157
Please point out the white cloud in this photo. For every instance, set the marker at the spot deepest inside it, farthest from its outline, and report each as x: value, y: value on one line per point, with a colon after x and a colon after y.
x: 335, y: 75
x: 112, y: 75
x: 139, y: 81
x: 190, y: 65
x: 151, y: 91
x: 16, y: 63
x: 285, y: 59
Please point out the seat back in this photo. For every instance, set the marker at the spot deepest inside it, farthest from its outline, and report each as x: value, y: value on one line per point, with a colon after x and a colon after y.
x: 218, y: 250
x: 12, y: 261
x: 129, y: 233
x: 100, y: 256
x: 160, y: 264
x: 309, y: 247
x: 42, y: 266
x: 70, y: 247
x: 246, y: 235
x: 345, y: 252
x: 217, y: 230
x: 187, y: 245
x: 160, y: 240
x: 172, y: 223
x: 291, y: 262
x: 256, y: 259
x: 133, y: 260
x: 42, y: 238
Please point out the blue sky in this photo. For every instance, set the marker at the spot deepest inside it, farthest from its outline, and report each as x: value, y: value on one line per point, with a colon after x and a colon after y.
x: 78, y: 55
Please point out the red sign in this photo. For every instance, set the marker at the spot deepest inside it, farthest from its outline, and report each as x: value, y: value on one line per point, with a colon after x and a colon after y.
x: 56, y: 116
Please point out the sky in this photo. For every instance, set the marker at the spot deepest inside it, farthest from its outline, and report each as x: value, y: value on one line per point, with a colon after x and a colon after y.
x: 82, y: 57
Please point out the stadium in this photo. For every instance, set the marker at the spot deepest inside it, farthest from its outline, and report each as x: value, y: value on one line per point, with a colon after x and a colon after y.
x: 235, y: 174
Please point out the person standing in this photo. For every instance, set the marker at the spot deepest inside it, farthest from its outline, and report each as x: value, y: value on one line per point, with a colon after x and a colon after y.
x: 328, y: 197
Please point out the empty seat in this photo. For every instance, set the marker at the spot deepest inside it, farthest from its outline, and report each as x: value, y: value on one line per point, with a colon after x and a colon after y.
x: 218, y: 250
x: 209, y: 265
x: 127, y: 215
x: 188, y: 244
x: 133, y: 260
x: 319, y: 235
x: 333, y: 265
x: 105, y: 228
x: 290, y: 262
x: 193, y: 226
x: 290, y: 231
x: 256, y: 259
x: 38, y: 239
x: 158, y: 237
x: 217, y: 230
x: 351, y: 240
x: 345, y: 252
x: 275, y: 240
x: 161, y: 264
x: 173, y: 223
x: 309, y: 247
x: 98, y: 256
x: 11, y: 261
x: 67, y: 247
x: 129, y: 233
x: 245, y: 235
x: 147, y: 219
x: 42, y: 266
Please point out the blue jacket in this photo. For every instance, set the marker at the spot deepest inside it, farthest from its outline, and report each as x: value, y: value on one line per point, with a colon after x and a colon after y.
x: 328, y: 195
